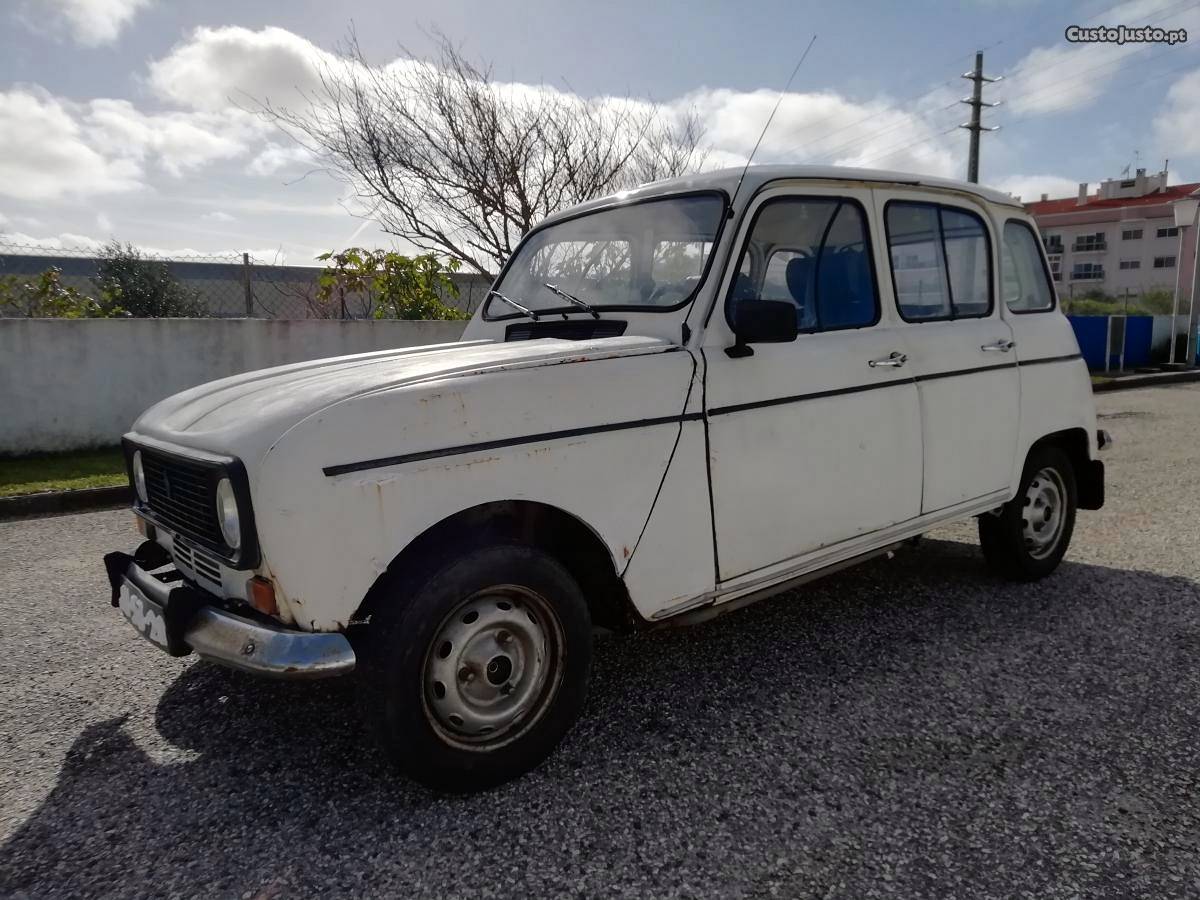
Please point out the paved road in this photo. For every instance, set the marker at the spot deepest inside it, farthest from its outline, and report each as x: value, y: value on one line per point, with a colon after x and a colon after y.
x: 913, y: 727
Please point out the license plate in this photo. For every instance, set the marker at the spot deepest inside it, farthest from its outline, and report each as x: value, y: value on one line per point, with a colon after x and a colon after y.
x: 143, y: 614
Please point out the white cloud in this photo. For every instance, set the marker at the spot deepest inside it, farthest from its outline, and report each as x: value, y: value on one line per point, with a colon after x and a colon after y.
x: 1031, y: 187
x: 70, y: 149
x: 217, y: 67
x: 1073, y: 76
x: 178, y: 141
x: 71, y: 242
x: 1175, y: 125
x: 274, y: 157
x: 45, y: 153
x: 64, y: 241
x: 104, y: 222
x: 231, y: 67
x: 94, y: 22
x: 824, y: 128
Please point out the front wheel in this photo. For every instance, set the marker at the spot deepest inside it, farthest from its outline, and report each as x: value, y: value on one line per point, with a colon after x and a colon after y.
x: 1026, y: 540
x: 476, y: 675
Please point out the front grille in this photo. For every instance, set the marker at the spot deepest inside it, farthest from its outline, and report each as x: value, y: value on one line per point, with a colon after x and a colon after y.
x: 196, y: 563
x: 182, y: 498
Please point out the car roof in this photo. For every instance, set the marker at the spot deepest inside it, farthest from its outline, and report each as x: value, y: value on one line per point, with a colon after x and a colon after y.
x: 756, y: 176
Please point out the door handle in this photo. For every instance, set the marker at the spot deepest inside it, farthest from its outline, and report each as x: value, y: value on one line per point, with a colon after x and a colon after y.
x: 1001, y: 346
x: 895, y: 359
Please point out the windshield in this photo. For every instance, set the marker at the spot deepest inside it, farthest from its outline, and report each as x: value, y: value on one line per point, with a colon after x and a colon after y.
x: 647, y: 255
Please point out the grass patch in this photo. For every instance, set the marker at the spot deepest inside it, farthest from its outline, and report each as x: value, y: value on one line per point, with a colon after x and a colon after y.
x: 61, y: 471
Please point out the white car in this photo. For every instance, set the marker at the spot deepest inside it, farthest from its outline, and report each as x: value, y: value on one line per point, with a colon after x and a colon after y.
x: 675, y: 400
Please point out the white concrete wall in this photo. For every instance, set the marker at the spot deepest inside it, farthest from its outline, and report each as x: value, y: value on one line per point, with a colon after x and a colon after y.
x: 67, y: 384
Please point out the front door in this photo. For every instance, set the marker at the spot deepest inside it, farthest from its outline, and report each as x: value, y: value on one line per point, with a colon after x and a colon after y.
x: 817, y: 441
x: 962, y: 353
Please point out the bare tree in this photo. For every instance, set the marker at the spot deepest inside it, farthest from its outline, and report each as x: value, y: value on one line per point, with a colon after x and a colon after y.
x: 459, y: 164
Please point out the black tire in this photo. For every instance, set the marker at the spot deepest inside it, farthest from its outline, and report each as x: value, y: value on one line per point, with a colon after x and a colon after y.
x: 1007, y: 545
x: 401, y: 675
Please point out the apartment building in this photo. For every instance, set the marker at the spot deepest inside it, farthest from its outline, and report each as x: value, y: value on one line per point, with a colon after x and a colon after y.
x: 1123, y: 238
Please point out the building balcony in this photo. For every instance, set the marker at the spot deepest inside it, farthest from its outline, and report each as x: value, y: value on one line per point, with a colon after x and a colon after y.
x: 1089, y: 248
x: 1054, y: 249
x: 1087, y: 276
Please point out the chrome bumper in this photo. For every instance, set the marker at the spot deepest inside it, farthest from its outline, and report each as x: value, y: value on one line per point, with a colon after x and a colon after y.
x: 239, y: 643
x: 190, y: 623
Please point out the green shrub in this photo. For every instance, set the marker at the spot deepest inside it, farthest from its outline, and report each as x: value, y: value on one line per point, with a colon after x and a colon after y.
x: 46, y: 297
x: 144, y: 288
x: 384, y: 284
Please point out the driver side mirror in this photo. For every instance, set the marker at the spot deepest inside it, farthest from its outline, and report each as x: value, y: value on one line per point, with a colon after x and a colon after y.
x: 762, y: 322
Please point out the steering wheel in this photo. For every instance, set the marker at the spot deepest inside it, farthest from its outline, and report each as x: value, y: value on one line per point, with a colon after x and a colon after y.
x: 682, y: 286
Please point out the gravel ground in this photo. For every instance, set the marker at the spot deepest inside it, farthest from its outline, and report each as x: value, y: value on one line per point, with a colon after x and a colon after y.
x: 913, y: 727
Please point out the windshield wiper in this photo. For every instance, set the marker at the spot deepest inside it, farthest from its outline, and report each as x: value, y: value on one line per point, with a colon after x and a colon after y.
x: 524, y: 310
x: 571, y: 298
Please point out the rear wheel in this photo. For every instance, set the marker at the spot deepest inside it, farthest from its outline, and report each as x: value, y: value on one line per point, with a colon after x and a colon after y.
x: 475, y: 676
x: 1026, y: 540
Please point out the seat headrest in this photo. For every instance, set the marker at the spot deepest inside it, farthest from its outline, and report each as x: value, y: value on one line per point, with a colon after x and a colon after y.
x: 743, y: 287
x: 798, y: 274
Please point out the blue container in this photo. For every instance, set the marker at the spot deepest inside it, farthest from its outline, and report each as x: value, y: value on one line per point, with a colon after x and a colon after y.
x: 1138, y: 333
x: 1092, y: 334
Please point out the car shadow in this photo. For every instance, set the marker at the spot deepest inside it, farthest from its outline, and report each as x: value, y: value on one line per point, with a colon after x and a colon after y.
x: 851, y: 726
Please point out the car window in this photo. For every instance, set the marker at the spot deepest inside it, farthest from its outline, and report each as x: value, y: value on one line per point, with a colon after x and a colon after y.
x: 1023, y: 277
x: 678, y: 259
x: 967, y: 260
x: 602, y: 267
x: 812, y: 252
x: 941, y: 261
x: 918, y: 266
x: 648, y: 255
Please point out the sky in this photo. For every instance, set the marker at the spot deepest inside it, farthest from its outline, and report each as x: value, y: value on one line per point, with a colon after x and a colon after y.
x: 133, y: 119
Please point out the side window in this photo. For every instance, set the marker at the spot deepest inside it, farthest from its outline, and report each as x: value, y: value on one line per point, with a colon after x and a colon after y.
x: 918, y: 266
x: 1023, y: 277
x: 941, y: 261
x: 967, y: 259
x: 812, y: 252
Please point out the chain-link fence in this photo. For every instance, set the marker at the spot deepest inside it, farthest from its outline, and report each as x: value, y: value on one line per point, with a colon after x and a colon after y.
x: 234, y: 285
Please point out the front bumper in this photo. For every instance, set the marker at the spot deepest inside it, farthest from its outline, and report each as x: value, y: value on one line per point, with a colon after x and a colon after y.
x: 180, y: 619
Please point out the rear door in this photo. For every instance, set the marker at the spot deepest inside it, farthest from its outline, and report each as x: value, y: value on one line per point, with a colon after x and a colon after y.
x: 810, y: 443
x: 942, y: 257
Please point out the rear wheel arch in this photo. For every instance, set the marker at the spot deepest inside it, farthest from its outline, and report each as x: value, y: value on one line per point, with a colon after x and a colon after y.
x: 562, y: 535
x: 1076, y: 443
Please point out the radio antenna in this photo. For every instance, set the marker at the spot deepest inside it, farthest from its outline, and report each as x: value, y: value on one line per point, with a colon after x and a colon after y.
x: 770, y: 119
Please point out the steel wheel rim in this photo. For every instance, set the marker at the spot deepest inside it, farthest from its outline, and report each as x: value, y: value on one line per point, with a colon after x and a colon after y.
x: 493, y: 667
x: 1043, y: 513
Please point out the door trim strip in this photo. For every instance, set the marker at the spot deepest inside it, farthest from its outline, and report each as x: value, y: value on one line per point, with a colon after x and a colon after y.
x: 545, y: 437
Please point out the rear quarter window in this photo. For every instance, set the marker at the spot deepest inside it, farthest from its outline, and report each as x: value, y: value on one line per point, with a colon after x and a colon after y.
x: 1024, y: 282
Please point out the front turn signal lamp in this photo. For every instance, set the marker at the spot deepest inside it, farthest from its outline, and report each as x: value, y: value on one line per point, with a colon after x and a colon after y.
x: 261, y: 594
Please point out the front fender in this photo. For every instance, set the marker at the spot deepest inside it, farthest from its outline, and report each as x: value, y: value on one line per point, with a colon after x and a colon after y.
x: 343, y: 492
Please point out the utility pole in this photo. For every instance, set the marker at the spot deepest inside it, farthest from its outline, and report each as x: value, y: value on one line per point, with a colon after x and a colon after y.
x: 975, y: 101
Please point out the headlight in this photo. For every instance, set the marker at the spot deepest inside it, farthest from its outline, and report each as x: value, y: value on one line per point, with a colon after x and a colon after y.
x: 139, y: 477
x: 227, y: 514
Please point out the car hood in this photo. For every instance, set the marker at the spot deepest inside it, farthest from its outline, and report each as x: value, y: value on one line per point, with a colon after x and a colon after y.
x: 246, y: 413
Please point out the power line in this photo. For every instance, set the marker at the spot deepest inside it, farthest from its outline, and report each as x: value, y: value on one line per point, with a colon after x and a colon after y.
x: 897, y: 107
x: 907, y: 145
x: 1174, y: 9
x: 1152, y: 77
x: 829, y: 152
